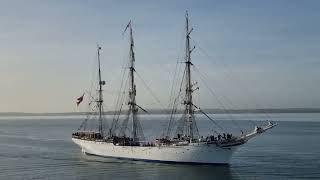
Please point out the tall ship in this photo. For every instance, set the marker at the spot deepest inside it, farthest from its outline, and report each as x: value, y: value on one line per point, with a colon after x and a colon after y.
x: 180, y: 142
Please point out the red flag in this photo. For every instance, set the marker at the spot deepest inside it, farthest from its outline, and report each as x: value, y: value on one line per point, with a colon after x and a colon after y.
x: 79, y: 100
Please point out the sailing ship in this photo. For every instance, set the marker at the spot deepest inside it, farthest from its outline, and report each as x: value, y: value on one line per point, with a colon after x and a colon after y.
x: 184, y: 145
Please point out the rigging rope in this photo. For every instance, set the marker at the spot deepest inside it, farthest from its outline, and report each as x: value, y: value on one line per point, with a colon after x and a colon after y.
x: 175, y: 105
x: 228, y: 75
x: 117, y: 104
x: 218, y: 100
x: 118, y: 113
x: 212, y: 120
x: 173, y: 87
x: 149, y: 89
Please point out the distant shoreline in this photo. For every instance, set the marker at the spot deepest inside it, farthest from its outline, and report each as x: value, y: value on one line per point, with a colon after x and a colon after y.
x: 167, y: 111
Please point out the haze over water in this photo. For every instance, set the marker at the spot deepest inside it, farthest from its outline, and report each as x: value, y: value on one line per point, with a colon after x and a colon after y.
x: 41, y: 148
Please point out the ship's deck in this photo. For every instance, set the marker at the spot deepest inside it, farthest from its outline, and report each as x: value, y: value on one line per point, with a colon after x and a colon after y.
x: 127, y: 141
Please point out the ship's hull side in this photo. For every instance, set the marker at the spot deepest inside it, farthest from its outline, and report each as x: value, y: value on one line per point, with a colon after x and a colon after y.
x: 200, y: 153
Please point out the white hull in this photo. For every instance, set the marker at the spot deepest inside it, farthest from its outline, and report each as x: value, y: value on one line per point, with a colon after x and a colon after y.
x: 192, y: 153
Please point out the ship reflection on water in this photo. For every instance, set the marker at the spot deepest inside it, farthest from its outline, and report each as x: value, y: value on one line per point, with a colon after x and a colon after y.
x: 149, y: 170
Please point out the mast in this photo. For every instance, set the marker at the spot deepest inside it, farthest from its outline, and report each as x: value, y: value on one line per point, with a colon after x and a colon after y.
x: 189, y: 110
x: 100, y: 98
x: 132, y: 88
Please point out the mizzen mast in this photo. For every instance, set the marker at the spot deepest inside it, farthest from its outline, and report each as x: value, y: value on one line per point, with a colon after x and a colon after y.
x: 100, y: 98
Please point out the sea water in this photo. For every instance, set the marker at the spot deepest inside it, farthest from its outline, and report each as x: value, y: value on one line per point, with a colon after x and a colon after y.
x: 41, y: 148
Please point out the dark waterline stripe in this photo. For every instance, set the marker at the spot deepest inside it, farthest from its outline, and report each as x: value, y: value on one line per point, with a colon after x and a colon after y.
x: 159, y: 161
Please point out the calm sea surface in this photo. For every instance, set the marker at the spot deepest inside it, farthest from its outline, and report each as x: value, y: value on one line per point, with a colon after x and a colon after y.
x: 41, y: 148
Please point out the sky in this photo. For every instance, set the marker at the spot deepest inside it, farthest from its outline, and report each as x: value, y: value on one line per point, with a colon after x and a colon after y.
x: 250, y: 53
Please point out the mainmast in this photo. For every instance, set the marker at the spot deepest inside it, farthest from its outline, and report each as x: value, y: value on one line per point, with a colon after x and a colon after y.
x: 132, y: 88
x: 100, y: 98
x: 189, y: 109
